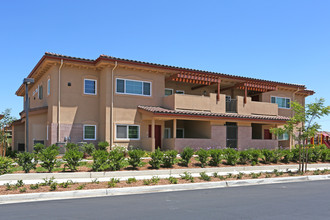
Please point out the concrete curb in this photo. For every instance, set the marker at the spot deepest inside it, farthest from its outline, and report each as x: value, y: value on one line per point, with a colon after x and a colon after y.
x: 32, y: 197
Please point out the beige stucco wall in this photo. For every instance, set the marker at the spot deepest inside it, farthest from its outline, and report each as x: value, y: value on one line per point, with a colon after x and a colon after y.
x: 245, y: 140
x: 18, y: 135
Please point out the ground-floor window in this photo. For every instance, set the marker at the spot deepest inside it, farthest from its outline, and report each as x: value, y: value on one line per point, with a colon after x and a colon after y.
x: 283, y: 137
x: 180, y: 133
x: 167, y: 133
x: 131, y: 132
x: 89, y: 132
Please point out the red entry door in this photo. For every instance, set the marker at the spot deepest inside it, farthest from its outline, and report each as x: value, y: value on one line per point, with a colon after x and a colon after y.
x: 267, y: 134
x: 158, y: 135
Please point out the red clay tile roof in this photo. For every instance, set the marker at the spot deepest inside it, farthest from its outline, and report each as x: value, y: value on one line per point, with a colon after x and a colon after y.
x: 161, y: 110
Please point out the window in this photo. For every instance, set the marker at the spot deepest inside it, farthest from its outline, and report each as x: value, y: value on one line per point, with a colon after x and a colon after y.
x: 128, y: 132
x: 90, y: 87
x: 283, y: 137
x: 180, y: 133
x: 89, y: 132
x: 48, y: 87
x: 40, y: 92
x: 168, y: 92
x: 133, y: 87
x: 179, y: 92
x: 281, y: 102
x: 167, y: 133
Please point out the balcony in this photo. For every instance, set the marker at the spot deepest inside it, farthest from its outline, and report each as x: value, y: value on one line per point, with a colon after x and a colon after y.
x: 210, y: 104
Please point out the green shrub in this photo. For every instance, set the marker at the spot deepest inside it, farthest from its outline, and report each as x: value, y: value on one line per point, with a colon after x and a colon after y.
x: 186, y: 155
x: 173, y: 180
x: 146, y: 182
x: 315, y: 153
x: 71, y: 146
x: 232, y: 156
x: 245, y: 156
x: 96, y: 181
x: 131, y: 180
x: 22, y: 190
x: 202, y: 156
x: 256, y: 155
x: 113, y: 182
x: 325, y: 155
x: 100, y: 160
x: 88, y: 149
x: 66, y: 184
x: 116, y: 158
x: 26, y: 161
x: 47, y: 182
x: 169, y: 158
x: 48, y: 157
x: 53, y: 186
x: 11, y: 153
x: 187, y: 176
x: 287, y: 156
x: 38, y: 148
x: 267, y: 155
x: 204, y: 176
x: 216, y: 156
x: 82, y: 186
x: 5, y: 165
x: 156, y: 159
x: 34, y: 186
x: 155, y: 180
x: 72, y: 158
x: 8, y: 186
x: 20, y: 183
x: 240, y: 175
x: 255, y: 175
x: 278, y: 154
x: 135, y: 157
x: 295, y: 152
x: 102, y: 145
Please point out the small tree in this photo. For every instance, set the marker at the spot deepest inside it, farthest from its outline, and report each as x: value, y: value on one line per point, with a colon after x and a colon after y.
x: 4, y: 122
x: 302, y: 126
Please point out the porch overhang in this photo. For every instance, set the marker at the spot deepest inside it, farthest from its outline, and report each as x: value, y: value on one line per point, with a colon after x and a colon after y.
x: 155, y: 111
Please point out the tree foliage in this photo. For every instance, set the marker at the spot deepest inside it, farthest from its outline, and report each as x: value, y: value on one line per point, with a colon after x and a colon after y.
x: 303, y: 126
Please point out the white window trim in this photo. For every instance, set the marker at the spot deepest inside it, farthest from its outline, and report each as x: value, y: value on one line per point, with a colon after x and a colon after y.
x: 133, y: 93
x: 280, y: 97
x: 48, y: 87
x: 176, y: 91
x: 89, y: 139
x: 127, y: 139
x: 182, y: 132
x: 169, y: 132
x: 95, y: 87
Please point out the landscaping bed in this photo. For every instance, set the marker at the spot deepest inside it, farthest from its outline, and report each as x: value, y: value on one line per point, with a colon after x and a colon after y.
x: 51, y: 185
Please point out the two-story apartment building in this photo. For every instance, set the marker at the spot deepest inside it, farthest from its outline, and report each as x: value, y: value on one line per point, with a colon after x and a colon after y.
x: 147, y: 105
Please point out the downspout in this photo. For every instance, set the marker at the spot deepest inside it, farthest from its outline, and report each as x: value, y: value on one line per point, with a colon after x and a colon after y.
x: 59, y: 103
x: 111, y: 118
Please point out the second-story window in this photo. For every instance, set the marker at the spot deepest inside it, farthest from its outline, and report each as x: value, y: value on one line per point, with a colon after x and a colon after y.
x: 90, y: 86
x: 133, y: 87
x: 168, y: 92
x: 40, y: 92
x: 281, y: 102
x: 48, y: 87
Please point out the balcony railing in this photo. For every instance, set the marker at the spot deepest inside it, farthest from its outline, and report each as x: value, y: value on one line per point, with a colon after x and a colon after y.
x: 231, y: 106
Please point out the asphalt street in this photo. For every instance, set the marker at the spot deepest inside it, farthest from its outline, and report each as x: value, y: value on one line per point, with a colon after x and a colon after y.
x: 303, y: 200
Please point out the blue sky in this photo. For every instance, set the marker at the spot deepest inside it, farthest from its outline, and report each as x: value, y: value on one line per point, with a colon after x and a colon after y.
x: 282, y: 40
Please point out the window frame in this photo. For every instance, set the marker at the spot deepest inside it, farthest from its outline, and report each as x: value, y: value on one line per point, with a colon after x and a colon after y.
x: 40, y: 94
x: 170, y: 90
x: 127, y: 132
x: 89, y: 139
x: 282, y: 98
x: 181, y: 92
x: 86, y: 79
x: 126, y: 93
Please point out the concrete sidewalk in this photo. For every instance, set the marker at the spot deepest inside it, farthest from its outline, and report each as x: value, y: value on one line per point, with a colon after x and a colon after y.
x: 33, y: 178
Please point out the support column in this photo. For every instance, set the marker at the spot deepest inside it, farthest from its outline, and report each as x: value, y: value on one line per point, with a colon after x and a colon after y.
x: 218, y: 95
x: 174, y: 128
x: 153, y: 142
x: 245, y: 93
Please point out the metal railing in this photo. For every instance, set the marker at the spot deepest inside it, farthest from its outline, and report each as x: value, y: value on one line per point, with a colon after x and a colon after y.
x: 231, y: 106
